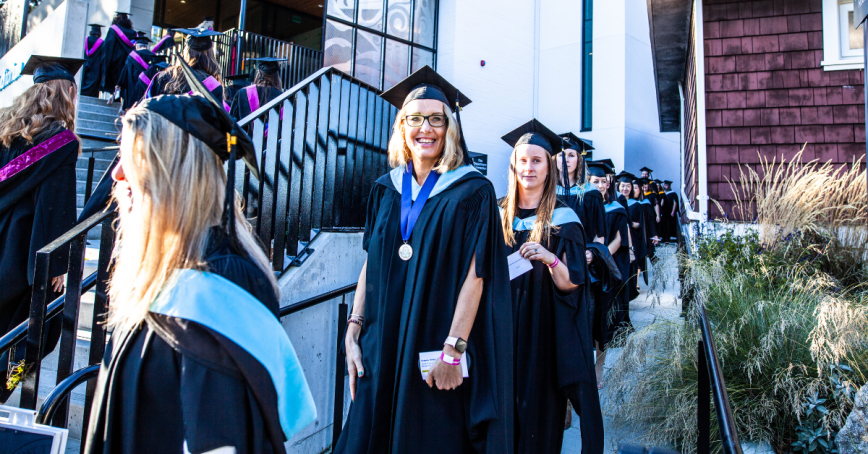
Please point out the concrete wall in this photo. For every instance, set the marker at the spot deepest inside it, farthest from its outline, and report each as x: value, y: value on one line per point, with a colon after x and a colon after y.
x: 59, y: 34
x: 336, y: 262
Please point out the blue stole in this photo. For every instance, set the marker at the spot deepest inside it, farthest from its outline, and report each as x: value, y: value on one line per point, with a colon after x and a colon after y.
x: 631, y: 202
x: 615, y: 206
x: 645, y: 202
x: 576, y: 190
x: 222, y: 306
x: 560, y: 216
x: 443, y: 183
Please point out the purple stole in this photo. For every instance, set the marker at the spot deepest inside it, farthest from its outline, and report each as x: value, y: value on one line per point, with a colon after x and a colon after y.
x: 145, y: 80
x: 122, y: 36
x: 96, y: 44
x: 33, y: 155
x: 211, y: 84
x: 138, y: 58
x: 158, y: 47
x: 252, y: 98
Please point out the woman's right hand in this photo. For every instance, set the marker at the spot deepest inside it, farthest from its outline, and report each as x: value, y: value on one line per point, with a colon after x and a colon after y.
x: 355, y: 369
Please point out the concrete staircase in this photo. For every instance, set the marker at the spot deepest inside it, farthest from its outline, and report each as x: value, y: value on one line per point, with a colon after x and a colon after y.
x: 98, y: 126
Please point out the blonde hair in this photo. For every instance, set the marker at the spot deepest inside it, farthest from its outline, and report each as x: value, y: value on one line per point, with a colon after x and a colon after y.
x: 542, y: 228
x: 182, y: 187
x: 40, y: 106
x: 451, y: 157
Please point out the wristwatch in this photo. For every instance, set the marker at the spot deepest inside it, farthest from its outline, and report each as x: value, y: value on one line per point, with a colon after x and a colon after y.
x: 458, y: 343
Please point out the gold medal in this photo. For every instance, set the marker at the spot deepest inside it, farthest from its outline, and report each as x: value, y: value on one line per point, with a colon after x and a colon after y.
x: 405, y: 252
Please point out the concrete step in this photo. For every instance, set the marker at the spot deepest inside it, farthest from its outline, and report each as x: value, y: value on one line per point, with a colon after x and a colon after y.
x: 99, y: 116
x: 81, y: 175
x: 99, y: 164
x: 91, y: 101
x: 88, y: 142
x: 109, y: 135
x: 104, y: 126
x: 80, y: 186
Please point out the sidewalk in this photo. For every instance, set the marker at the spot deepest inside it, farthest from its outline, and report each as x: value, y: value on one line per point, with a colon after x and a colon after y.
x: 644, y: 310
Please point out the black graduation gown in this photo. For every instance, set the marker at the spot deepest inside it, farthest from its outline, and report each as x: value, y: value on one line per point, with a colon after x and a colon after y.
x: 240, y: 106
x: 587, y: 202
x: 672, y: 202
x: 116, y: 52
x: 635, y: 214
x: 159, y: 85
x: 37, y: 205
x: 554, y: 349
x: 93, y: 69
x: 605, y: 279
x: 616, y: 222
x: 129, y: 79
x: 665, y: 218
x: 653, y: 225
x: 409, y: 308
x: 173, y: 380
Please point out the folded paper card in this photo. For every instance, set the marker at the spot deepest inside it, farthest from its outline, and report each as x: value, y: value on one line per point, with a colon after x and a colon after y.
x: 518, y: 265
x: 428, y: 359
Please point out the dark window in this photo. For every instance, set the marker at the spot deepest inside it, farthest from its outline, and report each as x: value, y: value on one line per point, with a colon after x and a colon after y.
x: 380, y: 41
x: 587, y: 64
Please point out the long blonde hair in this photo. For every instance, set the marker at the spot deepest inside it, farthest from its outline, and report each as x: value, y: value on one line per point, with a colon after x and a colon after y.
x: 40, y: 106
x: 182, y: 184
x: 542, y: 228
x: 452, y: 156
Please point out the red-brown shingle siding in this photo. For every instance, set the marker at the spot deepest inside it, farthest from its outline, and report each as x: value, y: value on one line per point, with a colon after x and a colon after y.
x: 767, y: 93
x: 691, y: 174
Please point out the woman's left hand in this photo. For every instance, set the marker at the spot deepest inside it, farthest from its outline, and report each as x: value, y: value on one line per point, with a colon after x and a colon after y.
x: 535, y: 251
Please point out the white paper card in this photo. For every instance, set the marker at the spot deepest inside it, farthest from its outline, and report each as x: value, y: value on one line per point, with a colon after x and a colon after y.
x: 428, y: 359
x: 518, y: 265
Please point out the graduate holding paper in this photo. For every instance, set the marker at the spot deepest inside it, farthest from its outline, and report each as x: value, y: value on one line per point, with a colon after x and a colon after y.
x: 435, y: 280
x: 198, y: 361
x: 554, y: 351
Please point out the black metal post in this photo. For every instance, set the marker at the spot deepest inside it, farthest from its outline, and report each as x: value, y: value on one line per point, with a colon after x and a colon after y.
x: 69, y: 321
x: 88, y: 188
x: 703, y: 402
x: 35, y: 331
x: 340, y: 371
x: 242, y: 15
x: 25, y: 12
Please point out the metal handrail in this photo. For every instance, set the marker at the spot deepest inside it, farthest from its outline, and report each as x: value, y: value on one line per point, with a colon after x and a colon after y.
x: 310, y: 302
x: 710, y: 361
x: 52, y: 402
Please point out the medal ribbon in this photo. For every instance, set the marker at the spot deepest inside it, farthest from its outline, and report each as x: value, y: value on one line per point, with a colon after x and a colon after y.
x: 409, y: 210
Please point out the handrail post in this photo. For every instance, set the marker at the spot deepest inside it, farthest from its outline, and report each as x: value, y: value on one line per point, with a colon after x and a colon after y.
x: 88, y: 189
x: 703, y: 403
x: 340, y: 369
x: 69, y: 321
x: 35, y: 331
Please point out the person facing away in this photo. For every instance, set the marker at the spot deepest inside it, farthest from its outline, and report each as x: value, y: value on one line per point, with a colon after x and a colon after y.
x: 118, y: 45
x: 199, y: 55
x: 266, y: 86
x: 38, y: 152
x: 198, y: 361
x: 581, y: 196
x: 551, y: 302
x: 137, y: 64
x: 94, y: 62
x: 434, y: 284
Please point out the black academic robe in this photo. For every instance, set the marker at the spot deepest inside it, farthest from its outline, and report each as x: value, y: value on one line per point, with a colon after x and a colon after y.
x: 587, y: 202
x: 94, y: 67
x: 409, y: 306
x: 635, y: 214
x: 672, y: 202
x: 605, y: 279
x: 240, y: 106
x: 160, y: 82
x: 554, y: 349
x: 665, y: 218
x: 116, y: 52
x: 129, y: 79
x: 616, y: 222
x: 37, y: 205
x: 172, y: 381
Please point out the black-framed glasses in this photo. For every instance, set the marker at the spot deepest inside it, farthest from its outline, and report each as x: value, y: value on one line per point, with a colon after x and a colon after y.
x: 435, y: 120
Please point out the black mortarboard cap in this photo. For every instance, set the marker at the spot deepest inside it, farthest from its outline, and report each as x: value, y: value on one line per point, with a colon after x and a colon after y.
x: 658, y: 181
x: 625, y: 177
x: 645, y: 169
x: 198, y: 39
x: 64, y: 68
x: 534, y: 133
x: 574, y: 142
x: 123, y: 14
x: 598, y: 169
x: 425, y: 83
x: 268, y: 65
x: 609, y: 164
x: 643, y: 181
x: 667, y: 181
x: 141, y: 37
x: 95, y: 29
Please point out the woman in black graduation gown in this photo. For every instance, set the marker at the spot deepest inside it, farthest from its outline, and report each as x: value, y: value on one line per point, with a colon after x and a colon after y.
x: 38, y: 152
x: 266, y: 86
x: 199, y: 55
x: 582, y: 196
x: 138, y: 62
x: 551, y: 302
x: 637, y: 234
x: 651, y: 238
x: 435, y: 283
x: 118, y: 45
x: 94, y: 62
x: 198, y: 359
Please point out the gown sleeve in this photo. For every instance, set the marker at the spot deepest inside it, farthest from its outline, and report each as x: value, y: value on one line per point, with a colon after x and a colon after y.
x: 248, y: 276
x: 484, y: 232
x: 374, y: 200
x: 235, y: 108
x: 55, y: 213
x: 596, y: 218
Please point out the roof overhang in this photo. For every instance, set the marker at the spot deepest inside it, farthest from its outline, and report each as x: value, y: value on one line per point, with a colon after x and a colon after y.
x: 669, y: 21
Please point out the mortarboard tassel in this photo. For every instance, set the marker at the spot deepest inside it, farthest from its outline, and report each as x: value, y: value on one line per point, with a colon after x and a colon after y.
x: 467, y: 159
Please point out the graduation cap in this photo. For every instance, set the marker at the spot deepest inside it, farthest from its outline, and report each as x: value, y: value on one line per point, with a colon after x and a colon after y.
x: 198, y: 39
x: 425, y: 83
x: 160, y: 61
x: 669, y: 182
x: 534, y: 133
x: 643, y: 181
x: 574, y: 142
x: 625, y: 177
x: 645, y: 169
x: 123, y: 14
x: 95, y: 29
x: 599, y: 169
x: 203, y: 117
x: 238, y: 77
x: 141, y: 37
x: 609, y: 164
x: 44, y: 68
x: 268, y: 65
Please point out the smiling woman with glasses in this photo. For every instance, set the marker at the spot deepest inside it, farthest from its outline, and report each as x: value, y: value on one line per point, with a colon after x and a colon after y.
x: 429, y: 340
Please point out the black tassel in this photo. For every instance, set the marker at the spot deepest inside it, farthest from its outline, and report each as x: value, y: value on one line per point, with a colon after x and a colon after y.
x: 228, y: 218
x: 467, y: 159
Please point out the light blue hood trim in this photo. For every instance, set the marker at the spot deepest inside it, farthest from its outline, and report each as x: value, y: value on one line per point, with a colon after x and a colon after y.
x: 446, y: 179
x: 559, y: 217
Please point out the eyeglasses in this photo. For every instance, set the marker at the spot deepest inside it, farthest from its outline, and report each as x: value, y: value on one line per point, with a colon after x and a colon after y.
x: 416, y: 121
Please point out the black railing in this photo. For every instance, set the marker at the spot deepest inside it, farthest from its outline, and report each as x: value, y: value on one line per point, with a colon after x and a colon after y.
x: 710, y: 383
x: 321, y: 146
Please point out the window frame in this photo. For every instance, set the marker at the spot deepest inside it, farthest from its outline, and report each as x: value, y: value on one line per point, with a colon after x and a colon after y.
x: 834, y: 58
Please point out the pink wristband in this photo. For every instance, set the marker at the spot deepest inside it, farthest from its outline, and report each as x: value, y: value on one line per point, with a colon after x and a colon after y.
x: 449, y: 360
x: 555, y: 263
